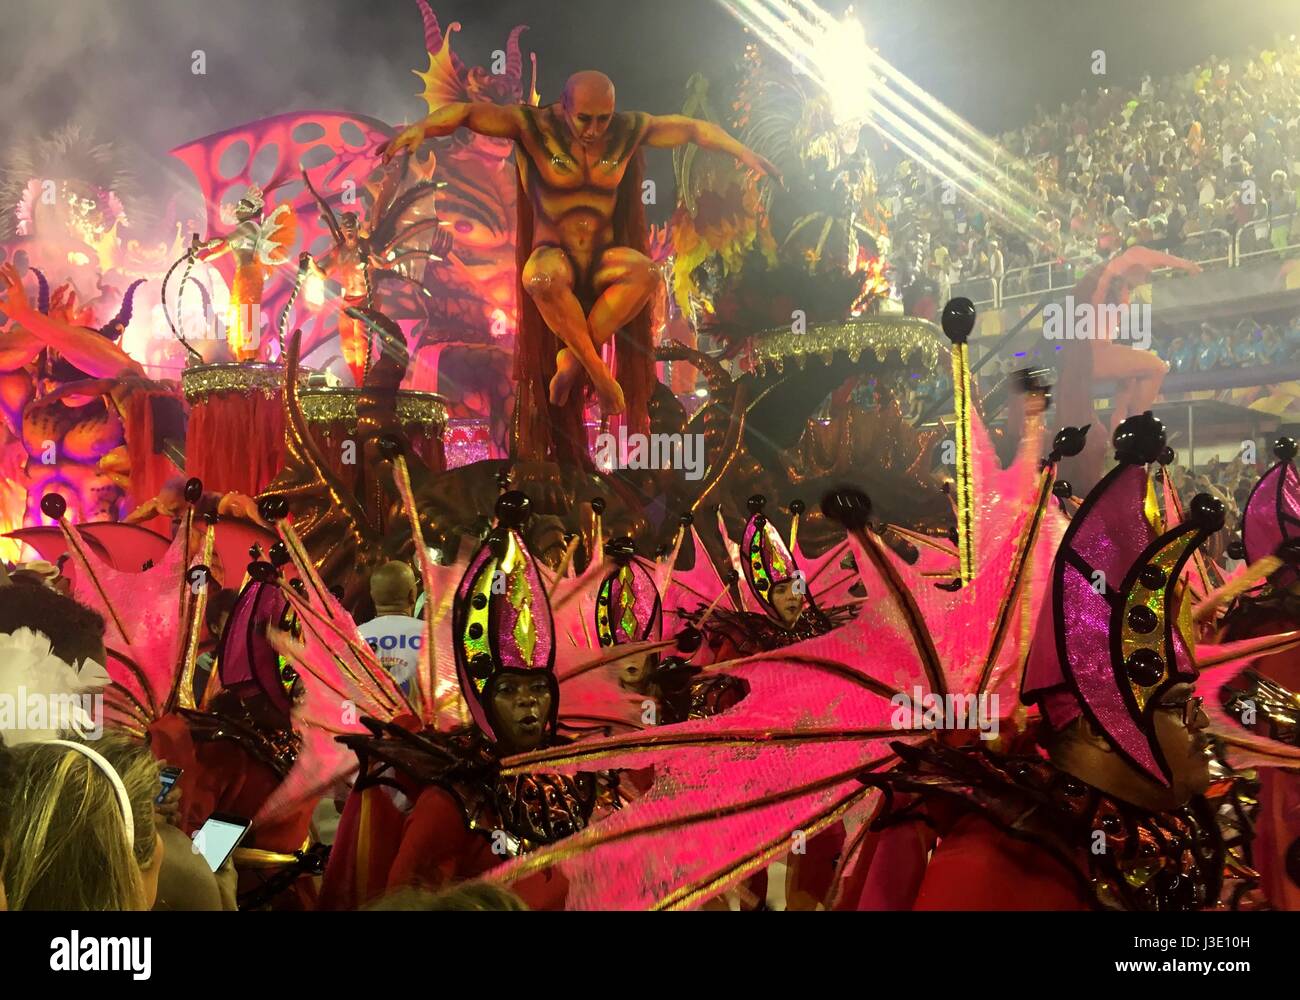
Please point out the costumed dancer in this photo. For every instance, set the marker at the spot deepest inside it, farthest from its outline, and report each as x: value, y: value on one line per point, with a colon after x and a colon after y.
x: 876, y: 707
x: 1257, y: 708
x: 628, y: 608
x: 356, y: 260
x: 430, y: 804
x: 1122, y: 726
x: 257, y: 244
x: 259, y: 739
x: 779, y: 605
x: 1113, y: 816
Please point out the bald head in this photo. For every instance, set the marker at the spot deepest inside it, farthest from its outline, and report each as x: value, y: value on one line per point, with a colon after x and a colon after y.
x: 588, y: 104
x: 392, y: 588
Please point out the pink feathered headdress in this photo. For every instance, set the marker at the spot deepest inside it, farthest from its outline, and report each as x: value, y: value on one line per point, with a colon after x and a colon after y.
x: 501, y: 618
x: 1108, y: 641
x: 1272, y: 514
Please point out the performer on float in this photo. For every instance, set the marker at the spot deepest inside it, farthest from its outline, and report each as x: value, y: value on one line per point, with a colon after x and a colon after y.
x: 582, y: 235
x: 464, y: 816
x: 349, y: 262
x: 257, y: 244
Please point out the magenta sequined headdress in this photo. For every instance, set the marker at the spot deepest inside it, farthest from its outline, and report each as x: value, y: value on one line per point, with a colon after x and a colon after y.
x: 246, y: 661
x: 628, y: 608
x: 501, y: 618
x: 764, y: 557
x: 1272, y: 514
x: 1109, y: 641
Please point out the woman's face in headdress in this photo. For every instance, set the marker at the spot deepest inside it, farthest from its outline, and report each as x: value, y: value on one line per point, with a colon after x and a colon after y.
x: 1181, y: 730
x: 635, y: 674
x: 521, y: 707
x: 788, y: 603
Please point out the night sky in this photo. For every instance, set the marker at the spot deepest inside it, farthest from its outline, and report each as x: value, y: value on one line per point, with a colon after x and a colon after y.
x: 123, y: 66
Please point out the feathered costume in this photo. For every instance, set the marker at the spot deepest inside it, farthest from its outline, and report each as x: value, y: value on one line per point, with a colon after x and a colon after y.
x: 732, y: 790
x: 246, y: 745
x: 41, y: 696
x: 831, y: 721
x: 1253, y: 714
x: 431, y: 802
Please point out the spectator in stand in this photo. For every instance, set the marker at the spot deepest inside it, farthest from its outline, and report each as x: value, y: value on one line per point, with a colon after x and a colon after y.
x: 1210, y: 351
x: 1147, y: 167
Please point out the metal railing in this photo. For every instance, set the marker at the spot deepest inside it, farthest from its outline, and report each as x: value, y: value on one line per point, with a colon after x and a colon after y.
x: 1208, y: 248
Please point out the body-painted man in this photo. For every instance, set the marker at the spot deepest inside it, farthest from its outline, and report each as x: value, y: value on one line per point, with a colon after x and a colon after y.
x: 573, y: 159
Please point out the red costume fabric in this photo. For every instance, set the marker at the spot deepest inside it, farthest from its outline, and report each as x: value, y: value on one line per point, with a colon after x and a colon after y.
x: 974, y: 866
x: 978, y: 867
x: 222, y: 776
x: 377, y: 849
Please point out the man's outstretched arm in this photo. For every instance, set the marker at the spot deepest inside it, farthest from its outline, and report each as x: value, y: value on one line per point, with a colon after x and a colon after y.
x: 668, y: 131
x: 495, y: 120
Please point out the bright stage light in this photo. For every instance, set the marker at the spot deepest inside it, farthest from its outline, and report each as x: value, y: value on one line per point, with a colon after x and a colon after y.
x: 864, y: 88
x: 840, y: 54
x: 313, y: 290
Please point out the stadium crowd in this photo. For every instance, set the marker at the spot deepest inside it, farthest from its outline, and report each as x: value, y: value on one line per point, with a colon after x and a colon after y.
x: 1182, y: 164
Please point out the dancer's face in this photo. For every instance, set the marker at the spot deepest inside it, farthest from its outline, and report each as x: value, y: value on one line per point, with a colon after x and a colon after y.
x: 348, y: 226
x: 588, y: 110
x: 1181, y: 726
x: 521, y: 706
x: 788, y: 604
x: 635, y: 674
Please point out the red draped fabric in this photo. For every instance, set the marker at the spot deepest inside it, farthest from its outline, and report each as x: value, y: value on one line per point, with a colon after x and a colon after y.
x: 149, y: 469
x: 236, y: 441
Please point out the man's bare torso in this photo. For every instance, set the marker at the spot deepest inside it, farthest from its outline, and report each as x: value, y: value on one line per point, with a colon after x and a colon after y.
x: 574, y: 188
x: 343, y: 264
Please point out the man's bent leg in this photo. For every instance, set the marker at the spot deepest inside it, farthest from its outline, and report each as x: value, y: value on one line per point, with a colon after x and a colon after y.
x: 626, y: 279
x: 548, y: 279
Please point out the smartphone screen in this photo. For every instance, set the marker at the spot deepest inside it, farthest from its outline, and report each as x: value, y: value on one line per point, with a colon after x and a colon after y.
x: 218, y: 837
x: 168, y: 776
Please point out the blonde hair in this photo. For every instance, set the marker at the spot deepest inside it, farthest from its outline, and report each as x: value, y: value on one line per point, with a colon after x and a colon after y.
x: 67, y: 847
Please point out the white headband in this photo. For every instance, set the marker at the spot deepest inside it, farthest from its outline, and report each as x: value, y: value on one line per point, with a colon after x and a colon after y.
x: 123, y: 800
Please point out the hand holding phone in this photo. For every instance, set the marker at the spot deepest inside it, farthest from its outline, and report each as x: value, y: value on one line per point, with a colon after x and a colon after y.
x: 169, y: 776
x: 217, y: 839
